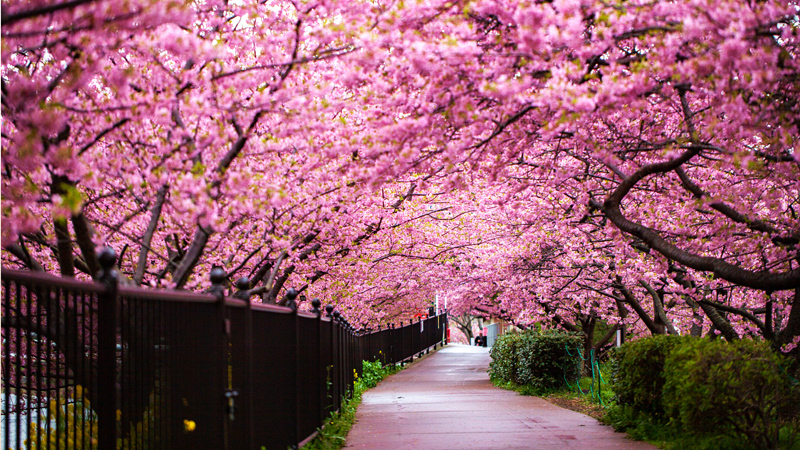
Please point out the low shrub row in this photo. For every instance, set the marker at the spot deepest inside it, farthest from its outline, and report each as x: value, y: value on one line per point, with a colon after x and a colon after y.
x: 535, y: 358
x: 739, y: 392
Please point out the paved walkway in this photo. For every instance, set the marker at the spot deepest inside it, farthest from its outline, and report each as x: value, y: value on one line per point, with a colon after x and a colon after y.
x: 446, y: 401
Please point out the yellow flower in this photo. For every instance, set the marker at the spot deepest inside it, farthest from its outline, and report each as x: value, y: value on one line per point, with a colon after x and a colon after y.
x: 189, y: 426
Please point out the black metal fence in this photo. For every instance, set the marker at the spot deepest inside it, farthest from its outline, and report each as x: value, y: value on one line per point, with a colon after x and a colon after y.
x: 105, y: 366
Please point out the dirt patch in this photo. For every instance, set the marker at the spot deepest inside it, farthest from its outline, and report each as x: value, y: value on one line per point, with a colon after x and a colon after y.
x: 576, y: 404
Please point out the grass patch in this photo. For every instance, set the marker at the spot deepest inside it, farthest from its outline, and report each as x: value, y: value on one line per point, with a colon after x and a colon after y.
x: 564, y: 397
x: 338, y: 424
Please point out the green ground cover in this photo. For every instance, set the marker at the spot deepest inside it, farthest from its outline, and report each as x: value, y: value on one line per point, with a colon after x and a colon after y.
x: 337, y: 425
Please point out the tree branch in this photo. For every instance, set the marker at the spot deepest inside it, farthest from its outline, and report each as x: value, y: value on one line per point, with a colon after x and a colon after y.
x: 658, y: 307
x: 8, y: 19
x: 631, y: 300
x: 155, y: 215
x: 761, y: 280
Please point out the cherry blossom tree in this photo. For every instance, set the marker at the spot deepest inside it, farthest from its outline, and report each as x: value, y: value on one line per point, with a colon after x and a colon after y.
x: 568, y: 162
x: 670, y: 126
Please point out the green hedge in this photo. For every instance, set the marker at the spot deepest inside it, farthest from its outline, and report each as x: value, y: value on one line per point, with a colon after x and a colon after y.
x: 732, y: 394
x: 504, y: 357
x: 535, y: 358
x: 738, y: 388
x: 638, y: 373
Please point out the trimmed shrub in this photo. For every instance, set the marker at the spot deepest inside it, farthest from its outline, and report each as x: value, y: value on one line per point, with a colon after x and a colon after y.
x: 503, y: 366
x: 715, y: 387
x: 543, y: 361
x: 535, y: 358
x: 638, y: 373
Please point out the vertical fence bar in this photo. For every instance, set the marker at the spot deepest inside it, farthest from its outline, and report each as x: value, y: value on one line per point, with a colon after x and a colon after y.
x: 386, y: 346
x: 244, y: 285
x: 39, y: 369
x: 243, y: 293
x: 30, y: 358
x: 107, y: 312
x: 368, y: 345
x: 341, y: 360
x: 316, y: 303
x: 294, y: 408
x: 48, y: 370
x: 402, y: 355
x: 415, y: 334
x: 344, y: 359
x: 18, y: 369
x: 347, y: 363
x: 218, y: 277
x: 397, y: 344
x: 93, y: 348
x: 335, y: 360
x: 351, y: 361
x: 55, y: 300
x: 331, y: 358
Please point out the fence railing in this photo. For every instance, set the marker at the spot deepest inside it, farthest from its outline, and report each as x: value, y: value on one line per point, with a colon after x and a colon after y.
x: 98, y: 365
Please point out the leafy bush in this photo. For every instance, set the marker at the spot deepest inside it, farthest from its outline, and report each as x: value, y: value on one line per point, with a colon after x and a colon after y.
x: 643, y: 427
x: 503, y: 366
x: 535, y: 358
x: 638, y: 373
x: 373, y: 372
x: 740, y: 388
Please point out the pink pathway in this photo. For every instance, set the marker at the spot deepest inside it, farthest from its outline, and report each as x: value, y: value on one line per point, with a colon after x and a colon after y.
x: 446, y: 401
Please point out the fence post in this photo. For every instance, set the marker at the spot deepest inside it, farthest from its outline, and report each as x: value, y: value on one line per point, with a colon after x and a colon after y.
x: 108, y: 316
x: 423, y: 342
x: 218, y: 276
x: 316, y: 303
x: 339, y: 360
x: 428, y: 336
x: 391, y: 343
x: 411, y: 344
x: 329, y: 369
x: 369, y: 344
x: 402, y: 345
x: 350, y: 355
x: 291, y: 294
x: 243, y: 293
x: 380, y: 345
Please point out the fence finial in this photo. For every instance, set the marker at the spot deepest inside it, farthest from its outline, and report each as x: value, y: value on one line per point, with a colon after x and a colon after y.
x: 243, y: 286
x: 315, y: 304
x: 288, y: 299
x: 218, y: 276
x: 329, y: 310
x: 107, y: 258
